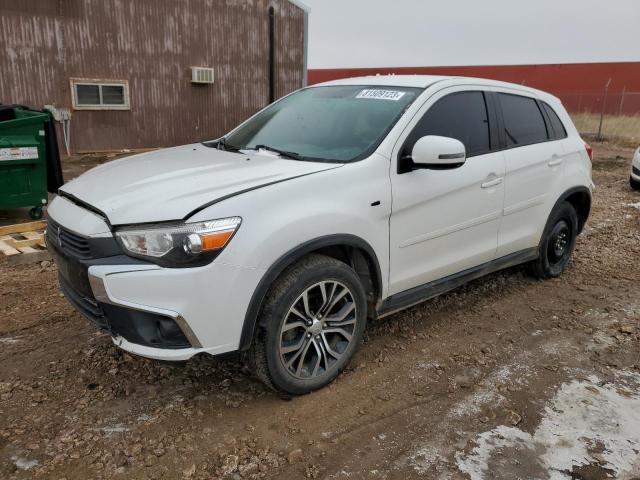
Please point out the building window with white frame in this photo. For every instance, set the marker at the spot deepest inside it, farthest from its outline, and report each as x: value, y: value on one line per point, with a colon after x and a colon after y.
x: 100, y: 95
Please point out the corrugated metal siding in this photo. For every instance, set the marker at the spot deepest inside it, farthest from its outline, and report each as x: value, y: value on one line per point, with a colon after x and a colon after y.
x: 152, y: 44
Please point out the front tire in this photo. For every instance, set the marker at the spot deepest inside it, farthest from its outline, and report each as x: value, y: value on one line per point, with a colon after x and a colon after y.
x: 635, y: 184
x: 558, y: 242
x: 311, y: 325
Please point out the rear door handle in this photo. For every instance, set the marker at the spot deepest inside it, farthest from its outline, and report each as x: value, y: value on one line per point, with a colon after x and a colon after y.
x: 492, y: 183
x: 555, y: 161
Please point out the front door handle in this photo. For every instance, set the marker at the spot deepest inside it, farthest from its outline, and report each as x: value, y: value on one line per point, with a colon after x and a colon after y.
x: 492, y: 183
x: 555, y: 161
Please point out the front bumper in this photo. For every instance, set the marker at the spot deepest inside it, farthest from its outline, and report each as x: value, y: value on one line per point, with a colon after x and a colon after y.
x: 208, y: 303
x: 156, y: 312
x: 132, y: 326
x: 145, y: 307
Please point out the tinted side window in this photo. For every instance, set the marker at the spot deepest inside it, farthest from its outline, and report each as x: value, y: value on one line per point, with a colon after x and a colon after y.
x: 523, y: 120
x: 559, y: 131
x: 462, y: 116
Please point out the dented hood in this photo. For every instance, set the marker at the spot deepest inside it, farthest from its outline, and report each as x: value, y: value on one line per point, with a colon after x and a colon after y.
x: 172, y: 183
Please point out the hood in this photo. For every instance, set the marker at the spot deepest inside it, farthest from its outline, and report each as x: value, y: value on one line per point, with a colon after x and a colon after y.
x: 170, y: 184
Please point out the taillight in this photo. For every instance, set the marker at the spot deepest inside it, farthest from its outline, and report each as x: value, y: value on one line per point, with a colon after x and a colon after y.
x: 589, y: 150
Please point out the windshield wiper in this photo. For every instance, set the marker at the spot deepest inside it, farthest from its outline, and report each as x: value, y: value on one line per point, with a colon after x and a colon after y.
x: 283, y: 153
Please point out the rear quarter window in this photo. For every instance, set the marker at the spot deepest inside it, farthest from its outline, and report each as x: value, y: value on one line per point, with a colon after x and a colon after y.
x: 523, y: 120
x: 558, y: 131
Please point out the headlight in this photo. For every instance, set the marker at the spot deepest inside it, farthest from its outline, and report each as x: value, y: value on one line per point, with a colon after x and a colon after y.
x: 178, y: 245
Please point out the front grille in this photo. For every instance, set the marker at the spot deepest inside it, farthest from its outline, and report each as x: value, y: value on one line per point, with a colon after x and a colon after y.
x: 142, y: 328
x: 68, y: 242
x: 86, y: 305
x: 74, y: 254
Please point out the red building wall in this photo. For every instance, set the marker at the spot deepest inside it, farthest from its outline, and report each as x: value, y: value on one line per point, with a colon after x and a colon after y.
x: 581, y: 86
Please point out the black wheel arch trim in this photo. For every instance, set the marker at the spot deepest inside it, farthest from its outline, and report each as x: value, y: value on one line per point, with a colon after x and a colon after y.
x: 562, y: 198
x: 288, y: 259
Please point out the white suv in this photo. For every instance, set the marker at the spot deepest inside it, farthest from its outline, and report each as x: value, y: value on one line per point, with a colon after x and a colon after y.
x: 339, y: 203
x: 634, y: 179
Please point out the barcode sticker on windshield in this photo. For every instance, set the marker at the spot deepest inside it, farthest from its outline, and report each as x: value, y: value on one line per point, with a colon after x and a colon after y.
x: 376, y: 94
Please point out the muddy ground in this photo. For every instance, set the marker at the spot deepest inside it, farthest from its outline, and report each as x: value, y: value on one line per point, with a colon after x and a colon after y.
x: 507, y: 377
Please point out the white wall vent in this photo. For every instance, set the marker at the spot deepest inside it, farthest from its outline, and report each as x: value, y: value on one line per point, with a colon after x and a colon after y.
x: 201, y: 75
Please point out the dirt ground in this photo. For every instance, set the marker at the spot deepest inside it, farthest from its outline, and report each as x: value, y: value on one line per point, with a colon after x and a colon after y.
x: 507, y: 377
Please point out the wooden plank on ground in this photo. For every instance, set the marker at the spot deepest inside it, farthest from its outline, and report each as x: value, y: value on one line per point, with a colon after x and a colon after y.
x: 32, y: 235
x: 8, y: 250
x: 37, y: 256
x: 18, y: 244
x: 23, y: 227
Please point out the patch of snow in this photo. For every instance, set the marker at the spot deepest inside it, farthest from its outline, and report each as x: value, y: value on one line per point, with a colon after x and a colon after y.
x: 633, y: 205
x: 517, y: 373
x: 602, y: 339
x: 9, y: 340
x: 631, y: 310
x: 476, y: 464
x: 109, y: 430
x: 557, y: 347
x: 423, y: 459
x: 594, y: 312
x: 472, y: 404
x: 23, y: 463
x: 427, y: 365
x: 582, y: 416
x: 595, y: 228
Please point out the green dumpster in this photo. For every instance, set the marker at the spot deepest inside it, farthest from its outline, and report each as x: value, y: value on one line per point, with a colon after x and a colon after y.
x: 29, y: 158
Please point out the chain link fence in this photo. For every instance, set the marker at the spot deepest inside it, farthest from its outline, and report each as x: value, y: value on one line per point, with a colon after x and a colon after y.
x: 604, y: 114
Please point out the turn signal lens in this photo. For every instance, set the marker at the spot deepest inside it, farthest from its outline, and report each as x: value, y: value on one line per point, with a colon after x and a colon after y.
x: 198, y: 243
x: 214, y: 241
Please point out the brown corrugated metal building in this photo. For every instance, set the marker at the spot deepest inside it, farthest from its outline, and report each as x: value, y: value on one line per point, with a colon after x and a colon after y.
x: 124, y: 68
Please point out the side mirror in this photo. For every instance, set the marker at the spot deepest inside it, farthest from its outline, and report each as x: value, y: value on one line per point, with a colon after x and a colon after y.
x: 438, y: 153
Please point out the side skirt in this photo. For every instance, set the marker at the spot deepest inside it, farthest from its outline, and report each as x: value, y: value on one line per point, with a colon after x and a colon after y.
x: 416, y: 295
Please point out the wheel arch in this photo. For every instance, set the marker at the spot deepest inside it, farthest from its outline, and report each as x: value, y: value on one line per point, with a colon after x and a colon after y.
x: 349, y: 249
x: 580, y: 200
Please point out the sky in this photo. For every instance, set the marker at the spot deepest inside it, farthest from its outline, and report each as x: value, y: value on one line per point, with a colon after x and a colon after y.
x: 395, y: 33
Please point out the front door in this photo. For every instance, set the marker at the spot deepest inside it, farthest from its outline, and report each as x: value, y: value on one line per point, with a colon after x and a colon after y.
x: 446, y: 221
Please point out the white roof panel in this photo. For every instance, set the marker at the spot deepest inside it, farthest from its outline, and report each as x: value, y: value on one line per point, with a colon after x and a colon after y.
x: 420, y: 81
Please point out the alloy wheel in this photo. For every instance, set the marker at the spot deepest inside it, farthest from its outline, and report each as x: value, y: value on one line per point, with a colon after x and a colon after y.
x: 317, y: 329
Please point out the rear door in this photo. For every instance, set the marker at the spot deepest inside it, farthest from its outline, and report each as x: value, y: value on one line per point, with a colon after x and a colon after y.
x: 445, y: 221
x: 534, y: 162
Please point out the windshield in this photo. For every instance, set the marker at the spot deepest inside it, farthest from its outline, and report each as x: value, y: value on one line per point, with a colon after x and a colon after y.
x: 334, y: 123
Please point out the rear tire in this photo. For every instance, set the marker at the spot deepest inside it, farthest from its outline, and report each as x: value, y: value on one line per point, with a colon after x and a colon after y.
x: 557, y: 244
x: 635, y: 184
x: 311, y: 325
